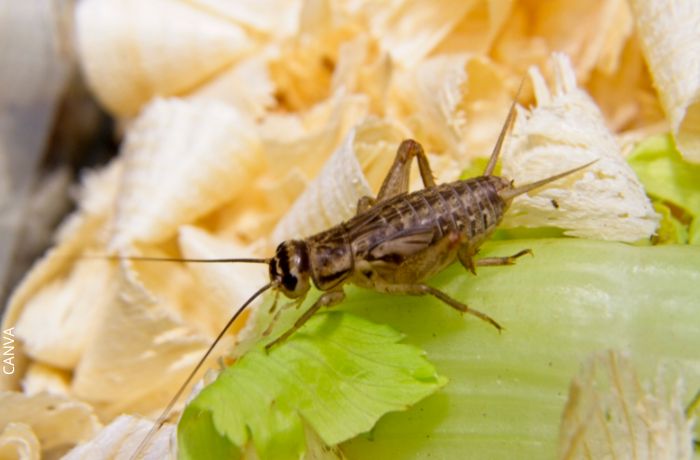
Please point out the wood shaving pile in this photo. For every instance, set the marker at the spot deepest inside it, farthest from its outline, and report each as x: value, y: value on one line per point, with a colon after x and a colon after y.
x: 611, y: 414
x: 249, y: 122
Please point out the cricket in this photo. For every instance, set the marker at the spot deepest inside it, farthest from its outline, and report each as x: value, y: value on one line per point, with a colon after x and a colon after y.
x: 393, y: 244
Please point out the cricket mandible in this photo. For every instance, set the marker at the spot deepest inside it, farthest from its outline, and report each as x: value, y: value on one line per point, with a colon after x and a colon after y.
x: 393, y: 244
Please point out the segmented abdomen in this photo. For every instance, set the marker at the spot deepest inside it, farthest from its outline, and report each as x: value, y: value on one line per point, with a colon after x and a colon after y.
x: 472, y: 208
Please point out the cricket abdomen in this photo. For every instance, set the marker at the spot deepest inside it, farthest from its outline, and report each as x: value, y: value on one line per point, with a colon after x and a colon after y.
x: 479, y: 209
x: 470, y: 209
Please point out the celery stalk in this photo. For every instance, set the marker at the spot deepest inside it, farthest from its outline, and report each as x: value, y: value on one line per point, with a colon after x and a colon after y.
x: 506, y: 391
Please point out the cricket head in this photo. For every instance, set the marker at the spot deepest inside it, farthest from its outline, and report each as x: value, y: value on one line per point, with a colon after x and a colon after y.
x: 289, y: 269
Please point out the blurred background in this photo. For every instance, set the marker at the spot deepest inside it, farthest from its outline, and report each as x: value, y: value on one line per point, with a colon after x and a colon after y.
x: 50, y: 128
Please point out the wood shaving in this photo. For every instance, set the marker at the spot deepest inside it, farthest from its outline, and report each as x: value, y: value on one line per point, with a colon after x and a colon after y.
x: 55, y: 421
x: 119, y: 439
x: 133, y: 51
x: 606, y: 201
x: 18, y: 440
x: 610, y: 414
x: 668, y: 34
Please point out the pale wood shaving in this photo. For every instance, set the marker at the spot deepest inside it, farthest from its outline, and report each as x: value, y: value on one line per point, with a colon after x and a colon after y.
x: 566, y: 130
x: 668, y: 33
x: 133, y: 51
x: 611, y: 414
x: 55, y: 420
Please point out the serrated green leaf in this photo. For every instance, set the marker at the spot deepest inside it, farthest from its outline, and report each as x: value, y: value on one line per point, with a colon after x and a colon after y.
x: 340, y: 373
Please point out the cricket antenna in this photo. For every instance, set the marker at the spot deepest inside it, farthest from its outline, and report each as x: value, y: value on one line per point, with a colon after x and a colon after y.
x: 166, y: 412
x: 501, y: 137
x: 175, y: 259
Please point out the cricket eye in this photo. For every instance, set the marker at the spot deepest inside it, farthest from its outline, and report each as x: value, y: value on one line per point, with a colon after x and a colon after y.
x: 290, y: 267
x: 289, y: 282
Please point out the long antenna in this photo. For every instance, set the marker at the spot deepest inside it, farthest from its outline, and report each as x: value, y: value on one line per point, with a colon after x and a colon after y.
x: 166, y: 412
x: 174, y: 259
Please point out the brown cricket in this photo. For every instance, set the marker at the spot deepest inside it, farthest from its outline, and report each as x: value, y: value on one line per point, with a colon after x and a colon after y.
x: 393, y: 244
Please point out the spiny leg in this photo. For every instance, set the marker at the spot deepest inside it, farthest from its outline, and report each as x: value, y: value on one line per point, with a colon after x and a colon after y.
x: 327, y: 299
x: 509, y: 260
x: 424, y: 289
x: 396, y: 180
x: 296, y: 303
x: 466, y: 257
x: 273, y: 307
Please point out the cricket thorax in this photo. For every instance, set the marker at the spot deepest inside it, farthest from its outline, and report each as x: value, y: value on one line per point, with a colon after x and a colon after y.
x: 289, y: 269
x: 332, y: 257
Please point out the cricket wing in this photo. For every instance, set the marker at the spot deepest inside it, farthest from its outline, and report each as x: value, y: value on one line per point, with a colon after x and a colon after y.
x: 402, y: 245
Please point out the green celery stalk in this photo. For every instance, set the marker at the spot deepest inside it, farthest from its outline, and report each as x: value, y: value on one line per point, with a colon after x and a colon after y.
x: 506, y: 391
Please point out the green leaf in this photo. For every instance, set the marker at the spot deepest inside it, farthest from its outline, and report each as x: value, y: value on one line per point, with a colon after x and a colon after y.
x: 665, y: 174
x: 669, y: 179
x: 476, y: 168
x: 671, y: 230
x: 339, y: 374
x: 507, y: 391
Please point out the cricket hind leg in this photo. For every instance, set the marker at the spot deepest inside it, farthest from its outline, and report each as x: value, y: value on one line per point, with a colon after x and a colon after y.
x: 466, y: 257
x: 424, y: 289
x: 364, y: 203
x: 509, y: 260
x: 396, y: 180
x: 327, y: 299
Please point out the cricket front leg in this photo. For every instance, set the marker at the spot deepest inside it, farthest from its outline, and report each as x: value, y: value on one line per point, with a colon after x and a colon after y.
x: 295, y: 303
x: 424, y: 289
x: 327, y: 299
